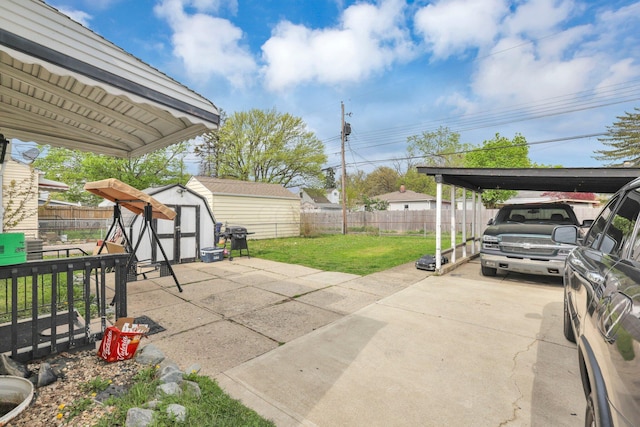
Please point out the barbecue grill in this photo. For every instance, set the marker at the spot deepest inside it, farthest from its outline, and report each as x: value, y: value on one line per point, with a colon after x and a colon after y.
x: 238, y: 238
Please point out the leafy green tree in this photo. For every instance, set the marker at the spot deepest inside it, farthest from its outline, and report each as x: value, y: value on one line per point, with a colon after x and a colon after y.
x: 441, y: 147
x: 209, y: 150
x: 374, y: 204
x: 75, y: 168
x: 267, y: 146
x: 330, y: 178
x: 624, y: 139
x: 499, y: 152
x: 355, y: 187
x: 381, y: 180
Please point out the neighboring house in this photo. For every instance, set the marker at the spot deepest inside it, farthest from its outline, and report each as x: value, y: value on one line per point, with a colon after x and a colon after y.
x: 404, y: 199
x: 46, y: 186
x: 266, y: 210
x: 333, y: 195
x: 314, y: 200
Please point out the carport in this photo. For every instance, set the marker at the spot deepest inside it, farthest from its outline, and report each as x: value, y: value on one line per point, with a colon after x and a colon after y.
x: 591, y: 180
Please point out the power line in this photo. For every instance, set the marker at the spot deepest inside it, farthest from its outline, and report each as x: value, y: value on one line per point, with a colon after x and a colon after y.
x: 546, y: 141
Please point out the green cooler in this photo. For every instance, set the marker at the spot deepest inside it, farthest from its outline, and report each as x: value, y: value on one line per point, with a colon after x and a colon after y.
x: 12, y: 248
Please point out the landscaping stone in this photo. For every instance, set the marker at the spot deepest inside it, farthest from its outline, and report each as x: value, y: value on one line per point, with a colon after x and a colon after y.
x: 150, y: 355
x: 8, y: 366
x: 138, y: 417
x: 178, y: 412
x: 46, y: 375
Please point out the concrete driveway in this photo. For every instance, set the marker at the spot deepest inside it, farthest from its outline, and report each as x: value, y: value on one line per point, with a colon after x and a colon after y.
x: 397, y: 348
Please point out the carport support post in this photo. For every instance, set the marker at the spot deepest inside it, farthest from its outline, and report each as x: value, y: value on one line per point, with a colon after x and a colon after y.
x: 453, y: 223
x: 438, y: 223
x: 473, y: 223
x: 464, y: 223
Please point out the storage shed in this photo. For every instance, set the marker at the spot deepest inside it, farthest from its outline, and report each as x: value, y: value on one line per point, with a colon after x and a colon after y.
x: 182, y: 239
x: 266, y: 210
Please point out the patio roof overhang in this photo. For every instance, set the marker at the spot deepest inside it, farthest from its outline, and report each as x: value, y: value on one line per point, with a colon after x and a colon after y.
x: 64, y: 85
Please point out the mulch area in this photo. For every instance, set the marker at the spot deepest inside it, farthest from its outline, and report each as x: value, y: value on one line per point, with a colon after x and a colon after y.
x: 53, y: 405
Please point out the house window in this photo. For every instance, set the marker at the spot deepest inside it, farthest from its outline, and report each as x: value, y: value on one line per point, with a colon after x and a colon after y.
x: 406, y: 207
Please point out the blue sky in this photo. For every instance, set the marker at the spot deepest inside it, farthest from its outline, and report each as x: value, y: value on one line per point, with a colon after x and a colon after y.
x: 555, y: 71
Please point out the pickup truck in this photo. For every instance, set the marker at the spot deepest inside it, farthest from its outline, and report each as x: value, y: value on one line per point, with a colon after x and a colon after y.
x: 519, y: 239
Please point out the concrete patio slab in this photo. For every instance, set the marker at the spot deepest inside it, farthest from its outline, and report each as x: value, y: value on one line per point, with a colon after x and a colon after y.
x: 433, y: 354
x: 177, y: 318
x: 339, y: 299
x: 287, y: 321
x: 215, y: 346
x: 242, y: 300
x: 291, y: 287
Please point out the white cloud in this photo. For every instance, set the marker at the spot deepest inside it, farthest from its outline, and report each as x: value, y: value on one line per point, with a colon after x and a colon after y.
x: 546, y: 58
x: 213, y: 6
x: 450, y: 27
x: 369, y: 39
x: 536, y: 18
x: 206, y: 44
x: 522, y: 75
x: 77, y: 15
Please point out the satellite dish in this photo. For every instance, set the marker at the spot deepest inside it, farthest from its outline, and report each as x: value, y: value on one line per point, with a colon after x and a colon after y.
x: 31, y: 154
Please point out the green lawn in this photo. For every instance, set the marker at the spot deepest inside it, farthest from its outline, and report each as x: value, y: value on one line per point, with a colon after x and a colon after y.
x: 352, y: 253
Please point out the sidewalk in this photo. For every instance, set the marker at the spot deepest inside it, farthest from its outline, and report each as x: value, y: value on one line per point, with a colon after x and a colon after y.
x: 400, y: 347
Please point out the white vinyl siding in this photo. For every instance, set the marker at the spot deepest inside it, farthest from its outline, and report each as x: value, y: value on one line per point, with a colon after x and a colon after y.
x: 266, y: 217
x: 22, y: 174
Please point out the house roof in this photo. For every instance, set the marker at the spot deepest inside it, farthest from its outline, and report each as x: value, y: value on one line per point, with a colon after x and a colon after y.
x: 64, y: 85
x: 406, y: 196
x: 51, y: 185
x: 232, y: 187
x: 317, y: 195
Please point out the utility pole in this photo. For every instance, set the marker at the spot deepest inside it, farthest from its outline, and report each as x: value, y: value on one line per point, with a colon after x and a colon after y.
x: 344, y: 132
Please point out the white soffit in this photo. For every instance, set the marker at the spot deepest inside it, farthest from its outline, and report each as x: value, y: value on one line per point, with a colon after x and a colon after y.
x: 64, y: 85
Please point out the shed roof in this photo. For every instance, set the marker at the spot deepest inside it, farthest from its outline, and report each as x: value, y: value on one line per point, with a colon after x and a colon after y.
x: 232, y: 187
x: 64, y: 85
x: 589, y: 180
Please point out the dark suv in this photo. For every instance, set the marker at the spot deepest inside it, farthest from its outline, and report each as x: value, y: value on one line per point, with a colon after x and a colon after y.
x: 602, y: 308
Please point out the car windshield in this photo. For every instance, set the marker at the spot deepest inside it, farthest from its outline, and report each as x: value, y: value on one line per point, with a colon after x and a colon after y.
x: 536, y: 214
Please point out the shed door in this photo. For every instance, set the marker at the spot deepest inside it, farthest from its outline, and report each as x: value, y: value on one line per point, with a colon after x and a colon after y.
x: 180, y: 237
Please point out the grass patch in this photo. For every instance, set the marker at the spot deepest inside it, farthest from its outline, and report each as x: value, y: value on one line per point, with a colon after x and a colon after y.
x: 360, y: 254
x: 213, y: 408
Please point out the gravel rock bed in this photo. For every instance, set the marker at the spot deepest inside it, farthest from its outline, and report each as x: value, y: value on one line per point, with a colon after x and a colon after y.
x: 53, y: 405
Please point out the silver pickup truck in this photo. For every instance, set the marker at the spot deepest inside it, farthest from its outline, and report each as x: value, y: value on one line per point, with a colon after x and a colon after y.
x: 519, y: 239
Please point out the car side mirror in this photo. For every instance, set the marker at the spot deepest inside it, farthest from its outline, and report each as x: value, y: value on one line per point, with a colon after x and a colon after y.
x: 587, y: 223
x: 490, y: 222
x: 565, y: 234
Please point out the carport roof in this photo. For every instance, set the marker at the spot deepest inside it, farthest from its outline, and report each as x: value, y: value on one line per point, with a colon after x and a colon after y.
x: 64, y: 85
x: 589, y: 180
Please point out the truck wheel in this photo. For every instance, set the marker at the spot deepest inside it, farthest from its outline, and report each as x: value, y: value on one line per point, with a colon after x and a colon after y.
x: 489, y: 271
x: 568, y: 329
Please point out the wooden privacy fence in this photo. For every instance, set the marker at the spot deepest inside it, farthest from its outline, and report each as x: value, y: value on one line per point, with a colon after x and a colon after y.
x: 74, y: 212
x: 391, y: 222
